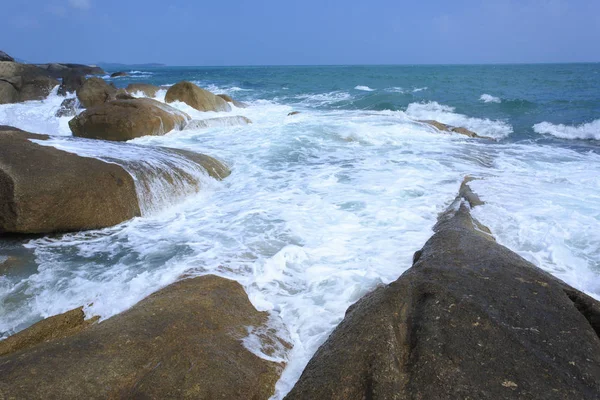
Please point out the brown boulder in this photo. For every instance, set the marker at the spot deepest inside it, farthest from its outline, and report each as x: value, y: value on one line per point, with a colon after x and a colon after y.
x: 293, y: 113
x: 118, y: 74
x: 121, y: 120
x: 44, y: 189
x: 236, y: 103
x: 145, y: 88
x: 70, y: 83
x: 196, y: 97
x: 182, y: 342
x: 469, y: 320
x: 8, y: 93
x: 448, y: 128
x: 95, y: 92
x: 30, y: 82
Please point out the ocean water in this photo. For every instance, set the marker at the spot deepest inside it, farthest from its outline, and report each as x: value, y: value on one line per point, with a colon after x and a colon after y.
x: 323, y: 206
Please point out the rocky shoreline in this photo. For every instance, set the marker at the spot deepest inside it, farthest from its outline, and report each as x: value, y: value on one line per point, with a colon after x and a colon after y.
x: 470, y: 318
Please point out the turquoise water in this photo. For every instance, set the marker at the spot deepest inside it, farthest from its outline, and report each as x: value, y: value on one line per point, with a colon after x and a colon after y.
x: 323, y: 206
x: 566, y: 94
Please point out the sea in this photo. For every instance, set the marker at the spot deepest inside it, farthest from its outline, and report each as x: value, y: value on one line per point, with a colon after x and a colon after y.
x: 323, y: 206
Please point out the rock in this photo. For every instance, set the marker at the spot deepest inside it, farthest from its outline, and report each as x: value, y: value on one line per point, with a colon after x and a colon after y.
x: 293, y: 113
x: 470, y: 320
x: 118, y: 74
x: 228, y: 99
x: 196, y: 97
x: 221, y: 121
x: 181, y: 342
x: 448, y: 128
x: 95, y: 92
x: 5, y: 57
x: 8, y: 93
x: 121, y: 120
x: 71, y: 83
x: 43, y: 189
x: 30, y: 82
x: 58, y: 70
x: 122, y: 94
x: 145, y: 88
x: 56, y: 327
x: 68, y: 108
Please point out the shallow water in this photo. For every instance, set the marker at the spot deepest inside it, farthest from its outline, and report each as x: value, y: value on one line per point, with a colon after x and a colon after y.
x: 323, y: 206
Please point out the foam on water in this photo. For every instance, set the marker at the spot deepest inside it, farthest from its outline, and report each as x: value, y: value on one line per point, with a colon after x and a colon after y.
x: 445, y: 114
x: 488, y: 98
x: 37, y: 116
x: 590, y: 130
x: 416, y: 90
x: 320, y: 208
x: 364, y: 88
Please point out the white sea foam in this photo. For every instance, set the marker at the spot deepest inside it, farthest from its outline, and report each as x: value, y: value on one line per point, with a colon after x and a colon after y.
x: 319, y: 209
x: 416, y: 90
x: 37, y: 116
x: 447, y: 115
x: 364, y: 88
x: 396, y: 89
x: 488, y: 98
x: 590, y: 130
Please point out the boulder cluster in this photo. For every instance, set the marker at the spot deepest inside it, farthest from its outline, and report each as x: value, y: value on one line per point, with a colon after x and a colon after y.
x: 469, y: 320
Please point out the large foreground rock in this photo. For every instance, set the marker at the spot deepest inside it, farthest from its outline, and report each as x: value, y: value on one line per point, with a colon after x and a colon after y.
x: 121, y: 120
x: 43, y: 189
x: 183, y: 342
x: 193, y: 96
x: 469, y: 320
x: 28, y: 82
x: 94, y: 92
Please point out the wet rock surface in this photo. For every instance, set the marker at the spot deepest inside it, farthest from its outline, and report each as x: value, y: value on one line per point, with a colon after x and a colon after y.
x: 125, y: 119
x: 470, y: 320
x: 184, y: 341
x: 195, y: 97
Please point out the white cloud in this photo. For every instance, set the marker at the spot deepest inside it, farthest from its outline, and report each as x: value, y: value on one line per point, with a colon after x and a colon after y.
x: 81, y: 4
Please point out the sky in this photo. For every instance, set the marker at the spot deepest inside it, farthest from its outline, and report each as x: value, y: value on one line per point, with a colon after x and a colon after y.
x: 313, y: 32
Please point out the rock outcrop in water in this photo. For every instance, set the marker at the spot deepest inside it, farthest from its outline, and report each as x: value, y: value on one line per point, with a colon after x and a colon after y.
x: 68, y: 108
x: 193, y: 96
x: 236, y: 103
x: 59, y: 70
x: 145, y: 88
x: 23, y: 82
x: 181, y: 342
x: 469, y: 320
x: 121, y: 120
x: 95, y: 92
x: 448, y: 128
x: 70, y: 83
x: 118, y: 74
x: 44, y: 189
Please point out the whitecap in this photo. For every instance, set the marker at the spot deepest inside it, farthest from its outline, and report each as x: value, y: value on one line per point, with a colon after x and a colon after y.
x: 364, y: 88
x: 447, y: 115
x: 590, y: 130
x: 415, y: 90
x: 487, y: 98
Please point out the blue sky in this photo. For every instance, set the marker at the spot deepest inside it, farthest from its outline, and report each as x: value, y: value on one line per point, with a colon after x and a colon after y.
x: 270, y: 32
